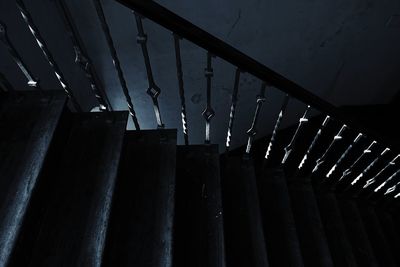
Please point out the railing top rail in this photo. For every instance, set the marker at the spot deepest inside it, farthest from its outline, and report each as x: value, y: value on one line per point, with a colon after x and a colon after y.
x: 219, y: 48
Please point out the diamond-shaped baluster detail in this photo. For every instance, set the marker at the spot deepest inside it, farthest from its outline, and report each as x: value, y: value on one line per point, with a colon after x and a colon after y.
x: 208, y: 113
x: 153, y: 91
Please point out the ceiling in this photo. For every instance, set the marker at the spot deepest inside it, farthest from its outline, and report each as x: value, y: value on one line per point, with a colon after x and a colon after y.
x: 346, y: 52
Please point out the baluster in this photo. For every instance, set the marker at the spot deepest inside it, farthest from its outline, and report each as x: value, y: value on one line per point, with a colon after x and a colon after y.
x: 116, y: 62
x: 82, y: 58
x: 208, y: 113
x: 32, y: 82
x: 394, y: 187
x: 369, y: 167
x: 277, y: 126
x: 47, y: 54
x: 338, y: 137
x: 386, y: 182
x: 314, y: 141
x: 153, y: 91
x: 252, y: 132
x: 396, y: 196
x: 5, y: 84
x: 181, y: 88
x: 233, y: 108
x: 343, y: 156
x: 350, y: 169
x: 289, y: 148
x: 373, y: 179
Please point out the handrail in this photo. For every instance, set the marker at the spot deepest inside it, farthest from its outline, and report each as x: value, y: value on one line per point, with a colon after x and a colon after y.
x: 219, y: 48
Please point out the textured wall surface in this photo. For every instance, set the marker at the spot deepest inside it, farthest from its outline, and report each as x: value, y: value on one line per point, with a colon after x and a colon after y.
x: 345, y: 52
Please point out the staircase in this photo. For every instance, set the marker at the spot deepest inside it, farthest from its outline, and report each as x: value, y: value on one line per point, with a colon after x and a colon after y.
x: 79, y: 189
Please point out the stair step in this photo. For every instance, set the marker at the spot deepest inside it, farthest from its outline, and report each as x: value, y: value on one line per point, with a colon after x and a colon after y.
x: 279, y: 225
x: 314, y: 244
x: 376, y: 236
x: 140, y: 230
x: 356, y: 233
x: 199, y: 218
x: 244, y: 237
x: 392, y: 233
x: 27, y: 122
x: 335, y: 230
x: 75, y: 202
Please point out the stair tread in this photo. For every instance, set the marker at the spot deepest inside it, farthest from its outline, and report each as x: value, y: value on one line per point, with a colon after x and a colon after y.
x: 376, y: 235
x: 140, y: 229
x: 356, y: 233
x: 28, y: 122
x: 312, y: 237
x: 198, y: 229
x: 279, y: 224
x: 244, y: 237
x: 335, y: 230
x: 73, y: 226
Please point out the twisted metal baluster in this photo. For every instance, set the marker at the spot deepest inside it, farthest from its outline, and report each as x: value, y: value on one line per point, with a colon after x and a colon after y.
x: 343, y: 156
x: 386, y: 182
x: 252, y: 132
x: 373, y: 179
x: 181, y: 88
x: 289, y: 148
x: 5, y: 84
x: 46, y: 52
x: 153, y: 91
x: 32, y: 82
x: 233, y: 108
x: 369, y: 167
x: 208, y: 113
x: 314, y: 142
x: 397, y: 196
x: 336, y: 139
x: 116, y: 62
x: 82, y: 58
x: 277, y: 125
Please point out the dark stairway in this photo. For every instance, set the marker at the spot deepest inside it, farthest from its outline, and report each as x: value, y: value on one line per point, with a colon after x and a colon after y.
x: 77, y: 189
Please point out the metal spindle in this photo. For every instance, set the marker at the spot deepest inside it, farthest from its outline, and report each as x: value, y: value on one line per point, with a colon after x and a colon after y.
x: 179, y: 72
x: 252, y: 132
x: 345, y: 153
x: 116, y: 62
x: 289, y: 148
x: 233, y: 108
x: 5, y: 84
x: 314, y: 141
x: 153, y: 91
x: 369, y: 167
x: 208, y: 113
x: 46, y: 52
x: 32, y: 82
x: 386, y: 182
x: 373, y: 179
x: 82, y: 58
x: 277, y: 126
x: 338, y: 137
x: 350, y: 169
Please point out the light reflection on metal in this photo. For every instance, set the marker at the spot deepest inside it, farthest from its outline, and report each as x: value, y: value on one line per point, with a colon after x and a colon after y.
x: 32, y: 82
x: 252, y: 132
x: 153, y: 91
x: 289, y: 148
x: 314, y: 142
x: 350, y: 169
x: 369, y: 167
x: 179, y: 72
x: 277, y: 125
x: 208, y: 112
x: 343, y: 156
x: 46, y: 52
x: 387, y: 181
x: 82, y: 58
x: 373, y: 180
x: 233, y: 108
x: 116, y: 62
x: 338, y: 137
